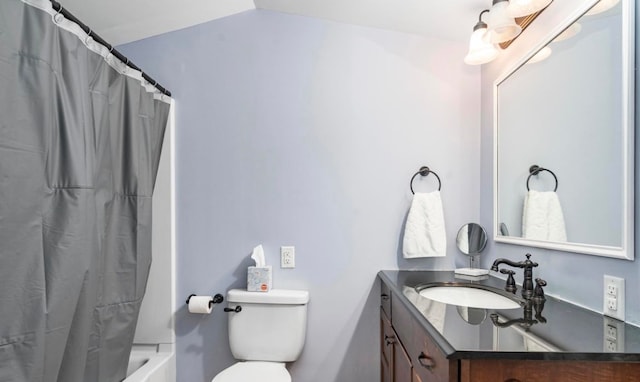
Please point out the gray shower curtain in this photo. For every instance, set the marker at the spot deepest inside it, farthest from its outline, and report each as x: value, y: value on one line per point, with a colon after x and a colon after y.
x: 79, y: 149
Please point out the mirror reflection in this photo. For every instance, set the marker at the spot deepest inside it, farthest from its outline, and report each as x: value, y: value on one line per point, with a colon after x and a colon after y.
x: 566, y: 111
x: 473, y: 316
x: 471, y: 239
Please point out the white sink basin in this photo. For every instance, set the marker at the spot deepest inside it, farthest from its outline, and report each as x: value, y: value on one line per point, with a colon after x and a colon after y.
x: 473, y: 297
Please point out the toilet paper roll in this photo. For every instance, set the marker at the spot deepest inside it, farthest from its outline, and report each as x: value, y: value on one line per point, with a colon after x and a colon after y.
x: 200, y: 304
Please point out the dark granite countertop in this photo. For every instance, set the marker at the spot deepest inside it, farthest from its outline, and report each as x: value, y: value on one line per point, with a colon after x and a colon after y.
x: 560, y: 331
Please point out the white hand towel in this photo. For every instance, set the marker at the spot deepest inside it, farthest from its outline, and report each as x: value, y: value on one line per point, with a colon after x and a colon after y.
x: 424, y: 234
x: 542, y: 217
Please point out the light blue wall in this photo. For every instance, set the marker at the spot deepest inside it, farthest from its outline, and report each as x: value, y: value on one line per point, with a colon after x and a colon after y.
x: 574, y: 277
x: 299, y: 131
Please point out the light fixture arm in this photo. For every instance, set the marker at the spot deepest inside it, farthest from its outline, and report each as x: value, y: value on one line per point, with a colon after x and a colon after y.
x: 482, y: 13
x: 480, y: 23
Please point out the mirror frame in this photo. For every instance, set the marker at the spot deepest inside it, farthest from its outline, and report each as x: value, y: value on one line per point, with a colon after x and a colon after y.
x: 626, y: 250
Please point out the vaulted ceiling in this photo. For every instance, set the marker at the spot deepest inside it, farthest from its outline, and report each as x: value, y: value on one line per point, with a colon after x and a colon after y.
x: 122, y: 21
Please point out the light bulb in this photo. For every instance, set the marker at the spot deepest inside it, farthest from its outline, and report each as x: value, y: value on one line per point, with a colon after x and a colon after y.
x: 501, y: 27
x: 480, y: 51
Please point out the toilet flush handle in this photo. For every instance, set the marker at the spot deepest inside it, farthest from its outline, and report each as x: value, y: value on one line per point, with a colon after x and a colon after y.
x: 237, y: 309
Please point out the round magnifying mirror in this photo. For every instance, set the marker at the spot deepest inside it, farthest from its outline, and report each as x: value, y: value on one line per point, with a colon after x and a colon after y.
x: 471, y: 239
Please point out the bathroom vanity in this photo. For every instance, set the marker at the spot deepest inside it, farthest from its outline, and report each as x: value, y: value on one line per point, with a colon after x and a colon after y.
x: 427, y: 340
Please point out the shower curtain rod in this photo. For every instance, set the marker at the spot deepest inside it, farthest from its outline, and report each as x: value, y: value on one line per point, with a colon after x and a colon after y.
x: 68, y: 15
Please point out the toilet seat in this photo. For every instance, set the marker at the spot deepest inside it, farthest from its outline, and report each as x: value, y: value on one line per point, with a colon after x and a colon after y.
x: 254, y: 371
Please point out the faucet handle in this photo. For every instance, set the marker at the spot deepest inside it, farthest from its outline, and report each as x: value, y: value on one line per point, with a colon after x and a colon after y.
x: 529, y: 262
x: 539, y: 292
x: 511, y: 282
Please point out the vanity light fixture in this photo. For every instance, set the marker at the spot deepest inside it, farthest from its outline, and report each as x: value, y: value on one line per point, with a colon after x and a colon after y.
x: 488, y: 39
x: 480, y: 50
x: 501, y: 26
x: 520, y: 8
x: 601, y: 6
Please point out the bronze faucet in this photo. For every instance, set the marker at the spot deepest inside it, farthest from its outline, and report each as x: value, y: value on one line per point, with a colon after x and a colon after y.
x: 527, y: 284
x: 527, y: 321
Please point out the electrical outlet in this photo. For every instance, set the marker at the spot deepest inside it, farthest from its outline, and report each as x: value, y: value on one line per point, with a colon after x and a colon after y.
x: 613, y: 336
x: 610, y: 346
x: 614, y: 297
x: 611, y: 332
x: 612, y: 304
x: 287, y: 257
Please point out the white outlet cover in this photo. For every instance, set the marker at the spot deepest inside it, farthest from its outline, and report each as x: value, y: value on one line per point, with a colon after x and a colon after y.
x: 613, y: 336
x: 612, y: 301
x: 287, y: 257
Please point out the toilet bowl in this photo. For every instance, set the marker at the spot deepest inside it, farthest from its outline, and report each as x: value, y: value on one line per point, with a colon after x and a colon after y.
x: 254, y: 371
x: 266, y: 330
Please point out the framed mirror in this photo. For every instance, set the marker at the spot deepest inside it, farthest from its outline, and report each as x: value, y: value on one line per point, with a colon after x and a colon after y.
x: 567, y: 108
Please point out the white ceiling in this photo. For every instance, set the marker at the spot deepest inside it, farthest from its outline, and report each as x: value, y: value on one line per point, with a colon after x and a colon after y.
x: 447, y: 19
x: 122, y: 21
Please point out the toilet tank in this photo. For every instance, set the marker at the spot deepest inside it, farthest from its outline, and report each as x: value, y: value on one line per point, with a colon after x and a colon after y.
x: 271, y: 326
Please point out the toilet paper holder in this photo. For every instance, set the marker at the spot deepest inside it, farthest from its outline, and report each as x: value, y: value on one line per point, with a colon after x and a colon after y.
x: 217, y: 299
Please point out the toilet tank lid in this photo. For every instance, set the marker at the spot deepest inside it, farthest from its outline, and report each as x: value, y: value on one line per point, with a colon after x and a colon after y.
x: 274, y: 296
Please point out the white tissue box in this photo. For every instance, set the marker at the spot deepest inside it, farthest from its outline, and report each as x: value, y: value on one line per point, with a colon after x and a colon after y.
x: 259, y: 279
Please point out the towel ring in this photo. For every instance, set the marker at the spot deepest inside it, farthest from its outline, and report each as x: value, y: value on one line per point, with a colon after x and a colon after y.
x: 424, y: 171
x: 535, y: 170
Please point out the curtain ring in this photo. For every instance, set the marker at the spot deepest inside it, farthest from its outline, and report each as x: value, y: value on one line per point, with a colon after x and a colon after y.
x: 57, y: 17
x: 88, y: 40
x: 107, y: 59
x: 125, y: 66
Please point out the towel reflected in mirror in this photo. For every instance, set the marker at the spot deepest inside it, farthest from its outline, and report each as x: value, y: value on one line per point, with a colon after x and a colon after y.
x: 542, y: 217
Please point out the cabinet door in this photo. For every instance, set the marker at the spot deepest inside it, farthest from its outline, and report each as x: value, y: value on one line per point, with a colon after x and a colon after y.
x: 403, y: 372
x: 387, y: 373
x: 429, y: 364
x: 387, y: 340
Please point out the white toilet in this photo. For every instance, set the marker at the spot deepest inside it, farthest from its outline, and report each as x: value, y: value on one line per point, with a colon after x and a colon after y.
x: 267, y: 331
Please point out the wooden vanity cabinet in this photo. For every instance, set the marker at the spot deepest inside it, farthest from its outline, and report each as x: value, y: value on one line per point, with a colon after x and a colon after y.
x: 387, y: 339
x: 408, y: 354
x: 395, y: 363
x: 427, y: 361
x: 510, y: 370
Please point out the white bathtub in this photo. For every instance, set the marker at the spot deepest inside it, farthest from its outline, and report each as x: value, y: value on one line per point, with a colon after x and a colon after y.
x: 152, y: 363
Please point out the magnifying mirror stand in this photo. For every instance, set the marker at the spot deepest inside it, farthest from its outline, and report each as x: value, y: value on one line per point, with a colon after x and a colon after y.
x: 471, y: 241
